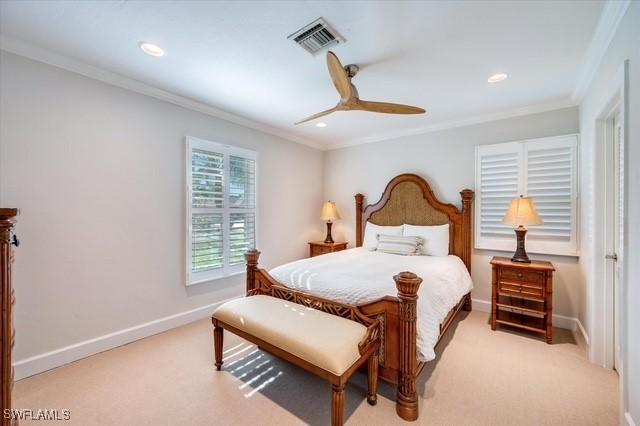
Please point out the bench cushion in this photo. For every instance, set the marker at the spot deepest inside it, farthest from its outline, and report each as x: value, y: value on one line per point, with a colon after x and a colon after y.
x: 326, y: 341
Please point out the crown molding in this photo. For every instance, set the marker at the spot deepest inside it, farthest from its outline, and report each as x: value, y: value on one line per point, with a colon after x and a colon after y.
x: 478, y: 119
x: 30, y: 51
x: 36, y: 53
x: 610, y: 18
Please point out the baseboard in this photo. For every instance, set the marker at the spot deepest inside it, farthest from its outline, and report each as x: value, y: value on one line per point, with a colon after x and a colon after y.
x: 56, y: 358
x: 561, y: 321
x: 629, y: 419
x: 585, y: 336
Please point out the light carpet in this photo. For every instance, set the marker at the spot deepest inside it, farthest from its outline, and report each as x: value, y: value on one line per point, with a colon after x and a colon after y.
x: 480, y: 377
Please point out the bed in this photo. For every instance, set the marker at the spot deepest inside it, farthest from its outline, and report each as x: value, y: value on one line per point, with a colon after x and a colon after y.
x: 387, y: 287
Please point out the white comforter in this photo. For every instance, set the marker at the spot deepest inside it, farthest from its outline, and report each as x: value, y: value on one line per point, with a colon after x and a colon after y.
x: 359, y: 276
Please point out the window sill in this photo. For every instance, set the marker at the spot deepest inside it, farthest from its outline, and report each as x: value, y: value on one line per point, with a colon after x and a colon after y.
x: 214, y: 278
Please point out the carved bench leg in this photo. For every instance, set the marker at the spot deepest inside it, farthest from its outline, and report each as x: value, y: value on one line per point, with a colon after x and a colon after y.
x: 337, y: 405
x: 217, y: 345
x: 372, y: 371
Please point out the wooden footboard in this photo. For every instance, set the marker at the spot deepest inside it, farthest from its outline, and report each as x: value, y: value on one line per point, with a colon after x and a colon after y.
x: 398, y: 357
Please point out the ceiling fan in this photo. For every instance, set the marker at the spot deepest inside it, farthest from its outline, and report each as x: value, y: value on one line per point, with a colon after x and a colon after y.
x: 349, y: 98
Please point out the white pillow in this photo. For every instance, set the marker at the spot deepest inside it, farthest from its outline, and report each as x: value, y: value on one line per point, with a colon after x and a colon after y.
x: 398, y: 244
x: 371, y: 231
x: 435, y: 238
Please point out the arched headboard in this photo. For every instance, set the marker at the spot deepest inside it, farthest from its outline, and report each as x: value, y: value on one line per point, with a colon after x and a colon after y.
x: 408, y: 198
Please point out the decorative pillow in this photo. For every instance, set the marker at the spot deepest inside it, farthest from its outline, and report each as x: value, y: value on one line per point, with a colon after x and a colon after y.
x: 397, y: 244
x: 435, y: 238
x: 371, y: 231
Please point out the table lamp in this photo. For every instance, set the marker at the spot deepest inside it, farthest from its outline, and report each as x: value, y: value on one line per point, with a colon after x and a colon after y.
x: 522, y: 212
x: 329, y: 213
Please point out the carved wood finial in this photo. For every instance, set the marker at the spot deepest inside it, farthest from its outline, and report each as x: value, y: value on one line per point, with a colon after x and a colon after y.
x: 407, y: 284
x: 251, y: 257
x: 467, y: 196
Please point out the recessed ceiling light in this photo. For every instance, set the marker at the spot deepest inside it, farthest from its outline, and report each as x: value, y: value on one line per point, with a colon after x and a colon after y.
x: 496, y: 78
x: 321, y: 124
x: 151, y: 49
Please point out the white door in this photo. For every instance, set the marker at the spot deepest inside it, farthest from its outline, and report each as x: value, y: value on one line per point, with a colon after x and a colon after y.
x: 616, y: 251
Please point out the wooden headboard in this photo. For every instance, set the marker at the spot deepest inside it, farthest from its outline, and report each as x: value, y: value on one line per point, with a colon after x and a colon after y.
x: 408, y: 198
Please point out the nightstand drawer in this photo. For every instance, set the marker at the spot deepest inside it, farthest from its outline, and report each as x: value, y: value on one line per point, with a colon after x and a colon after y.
x: 317, y: 248
x: 521, y: 289
x: 321, y: 250
x: 513, y: 274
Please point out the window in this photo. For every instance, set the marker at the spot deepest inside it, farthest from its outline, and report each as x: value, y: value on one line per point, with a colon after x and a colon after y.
x: 221, y: 209
x: 543, y: 169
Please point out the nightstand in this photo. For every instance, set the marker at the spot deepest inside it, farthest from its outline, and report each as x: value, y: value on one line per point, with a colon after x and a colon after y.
x: 316, y: 248
x: 522, y: 295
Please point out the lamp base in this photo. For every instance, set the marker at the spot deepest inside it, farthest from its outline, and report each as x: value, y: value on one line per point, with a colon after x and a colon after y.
x: 329, y: 239
x: 520, y: 255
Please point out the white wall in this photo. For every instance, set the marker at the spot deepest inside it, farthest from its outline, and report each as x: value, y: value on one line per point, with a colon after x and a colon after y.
x: 98, y: 173
x: 625, y: 45
x: 447, y: 160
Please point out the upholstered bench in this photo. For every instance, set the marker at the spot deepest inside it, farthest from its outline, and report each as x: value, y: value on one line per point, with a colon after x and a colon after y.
x: 327, y: 345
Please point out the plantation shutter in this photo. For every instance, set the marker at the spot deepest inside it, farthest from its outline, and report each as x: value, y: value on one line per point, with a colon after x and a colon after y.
x: 221, y: 205
x: 551, y: 182
x: 242, y: 199
x: 207, y: 242
x: 207, y: 201
x: 498, y: 176
x: 543, y: 169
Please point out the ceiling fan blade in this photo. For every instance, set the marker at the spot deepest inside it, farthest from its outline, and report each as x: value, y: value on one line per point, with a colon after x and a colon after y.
x: 387, y: 108
x: 339, y: 76
x: 320, y: 114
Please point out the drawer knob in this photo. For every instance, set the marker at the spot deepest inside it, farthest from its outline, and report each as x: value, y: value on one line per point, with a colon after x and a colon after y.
x: 519, y: 274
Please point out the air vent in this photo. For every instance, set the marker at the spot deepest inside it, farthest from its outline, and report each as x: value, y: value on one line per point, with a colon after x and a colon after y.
x: 316, y: 36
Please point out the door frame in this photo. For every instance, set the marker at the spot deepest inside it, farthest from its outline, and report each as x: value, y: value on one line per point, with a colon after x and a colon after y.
x: 601, y: 298
x: 613, y: 169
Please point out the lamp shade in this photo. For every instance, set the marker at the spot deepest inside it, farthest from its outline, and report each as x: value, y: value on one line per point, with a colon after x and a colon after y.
x: 522, y: 211
x: 330, y: 211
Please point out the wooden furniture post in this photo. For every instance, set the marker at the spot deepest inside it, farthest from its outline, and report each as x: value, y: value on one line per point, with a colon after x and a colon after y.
x: 218, y: 341
x: 467, y: 231
x: 549, y: 307
x: 337, y: 405
x: 372, y: 371
x: 467, y: 201
x: 494, y: 296
x: 407, y: 284
x: 7, y: 298
x: 359, y: 231
x: 251, y: 257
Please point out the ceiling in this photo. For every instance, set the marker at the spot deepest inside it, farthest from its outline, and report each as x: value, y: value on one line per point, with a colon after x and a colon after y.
x: 235, y: 56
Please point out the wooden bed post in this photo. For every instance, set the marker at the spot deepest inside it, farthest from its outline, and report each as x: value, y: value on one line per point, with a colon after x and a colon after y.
x: 467, y: 238
x: 407, y: 284
x: 467, y: 200
x: 252, y: 264
x: 359, y: 202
